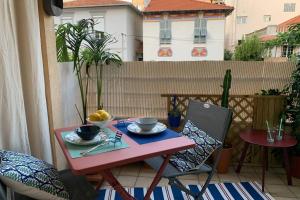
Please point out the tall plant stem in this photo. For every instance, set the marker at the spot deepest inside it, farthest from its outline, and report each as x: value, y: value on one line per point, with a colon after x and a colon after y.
x: 86, y: 94
x: 79, y: 78
x: 98, y: 92
x: 100, y: 83
x: 99, y: 76
x: 79, y: 113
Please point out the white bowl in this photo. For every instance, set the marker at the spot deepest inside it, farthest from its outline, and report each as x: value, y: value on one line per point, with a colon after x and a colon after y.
x: 146, y: 123
x: 101, y: 124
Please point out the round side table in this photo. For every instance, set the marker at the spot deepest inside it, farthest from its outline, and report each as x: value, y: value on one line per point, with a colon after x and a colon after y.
x: 259, y: 137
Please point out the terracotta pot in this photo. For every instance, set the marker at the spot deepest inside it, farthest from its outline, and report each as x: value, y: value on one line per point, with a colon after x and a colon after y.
x: 295, y: 166
x: 225, y: 160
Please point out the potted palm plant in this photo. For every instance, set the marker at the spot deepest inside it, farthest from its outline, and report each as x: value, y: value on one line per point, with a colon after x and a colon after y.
x: 99, y: 54
x: 226, y: 152
x: 70, y: 41
x: 80, y: 44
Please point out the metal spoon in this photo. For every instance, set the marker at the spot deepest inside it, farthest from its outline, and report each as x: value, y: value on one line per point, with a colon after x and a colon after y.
x: 95, y: 147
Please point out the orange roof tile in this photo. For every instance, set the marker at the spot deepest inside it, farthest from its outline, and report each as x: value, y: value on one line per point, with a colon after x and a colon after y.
x: 185, y: 5
x: 265, y: 38
x: 285, y: 25
x: 92, y: 3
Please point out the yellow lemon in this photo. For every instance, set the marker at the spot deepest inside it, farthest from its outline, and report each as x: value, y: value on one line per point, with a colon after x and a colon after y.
x: 95, y: 117
x: 105, y: 115
x: 100, y: 111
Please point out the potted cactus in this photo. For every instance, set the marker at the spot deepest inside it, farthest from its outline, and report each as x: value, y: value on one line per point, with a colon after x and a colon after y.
x: 174, y: 116
x: 226, y: 152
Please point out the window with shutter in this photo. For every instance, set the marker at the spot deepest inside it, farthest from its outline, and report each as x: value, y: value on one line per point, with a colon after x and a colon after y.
x: 289, y: 7
x: 241, y: 19
x: 197, y: 32
x: 165, y: 34
x: 99, y: 22
x: 200, y: 30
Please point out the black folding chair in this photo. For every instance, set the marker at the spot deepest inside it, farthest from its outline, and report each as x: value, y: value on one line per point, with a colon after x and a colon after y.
x: 215, y: 121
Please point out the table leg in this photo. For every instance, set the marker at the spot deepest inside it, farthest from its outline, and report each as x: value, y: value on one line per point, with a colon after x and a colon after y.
x: 267, y: 160
x: 243, y: 156
x: 109, y: 177
x: 287, y: 166
x: 98, y: 178
x: 264, y: 163
x: 157, y: 177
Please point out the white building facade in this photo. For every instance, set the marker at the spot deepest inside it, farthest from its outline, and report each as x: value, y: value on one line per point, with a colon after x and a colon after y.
x: 249, y: 16
x: 123, y: 21
x: 185, y: 36
x: 270, y: 33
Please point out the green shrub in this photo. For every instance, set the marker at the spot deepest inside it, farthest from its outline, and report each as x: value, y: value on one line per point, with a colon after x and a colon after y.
x: 250, y: 49
x: 228, y: 55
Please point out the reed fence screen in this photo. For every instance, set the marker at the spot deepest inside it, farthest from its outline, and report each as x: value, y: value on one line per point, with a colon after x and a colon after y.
x: 135, y: 88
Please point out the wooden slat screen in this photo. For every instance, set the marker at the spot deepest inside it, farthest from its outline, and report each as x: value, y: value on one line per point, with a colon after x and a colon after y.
x: 134, y: 88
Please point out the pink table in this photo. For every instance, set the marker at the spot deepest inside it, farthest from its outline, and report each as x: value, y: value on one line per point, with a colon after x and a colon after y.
x: 104, y: 162
x: 259, y: 137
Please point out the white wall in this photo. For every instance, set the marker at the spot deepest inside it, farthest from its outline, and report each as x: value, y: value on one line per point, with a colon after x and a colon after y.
x: 70, y: 96
x: 117, y: 20
x: 183, y: 40
x: 134, y: 29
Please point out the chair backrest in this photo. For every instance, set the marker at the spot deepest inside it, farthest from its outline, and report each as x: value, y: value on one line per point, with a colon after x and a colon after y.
x: 214, y: 120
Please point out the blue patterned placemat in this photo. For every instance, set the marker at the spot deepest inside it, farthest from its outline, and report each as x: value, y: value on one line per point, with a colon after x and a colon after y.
x: 144, y: 139
x: 75, y: 150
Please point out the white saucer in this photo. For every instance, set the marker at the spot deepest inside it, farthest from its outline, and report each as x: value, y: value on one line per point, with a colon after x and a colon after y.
x: 134, y: 128
x: 73, y: 138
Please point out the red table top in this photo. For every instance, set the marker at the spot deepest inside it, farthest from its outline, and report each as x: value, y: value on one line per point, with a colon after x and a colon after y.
x: 259, y: 137
x: 135, y: 152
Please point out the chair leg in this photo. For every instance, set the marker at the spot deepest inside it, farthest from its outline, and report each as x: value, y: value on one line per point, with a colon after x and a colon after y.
x: 10, y: 195
x: 175, y: 182
x: 204, y: 187
x: 210, y: 175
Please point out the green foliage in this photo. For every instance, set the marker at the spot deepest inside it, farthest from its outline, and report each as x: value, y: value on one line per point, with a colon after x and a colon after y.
x: 271, y: 43
x: 289, y: 38
x: 226, y: 87
x: 271, y: 92
x: 100, y: 55
x: 78, y: 43
x: 250, y: 49
x: 293, y: 107
x: 292, y: 38
x: 70, y: 39
x: 61, y: 44
x: 228, y: 55
x: 175, y: 112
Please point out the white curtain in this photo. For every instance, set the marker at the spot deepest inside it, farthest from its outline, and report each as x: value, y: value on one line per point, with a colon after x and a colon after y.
x: 24, y: 120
